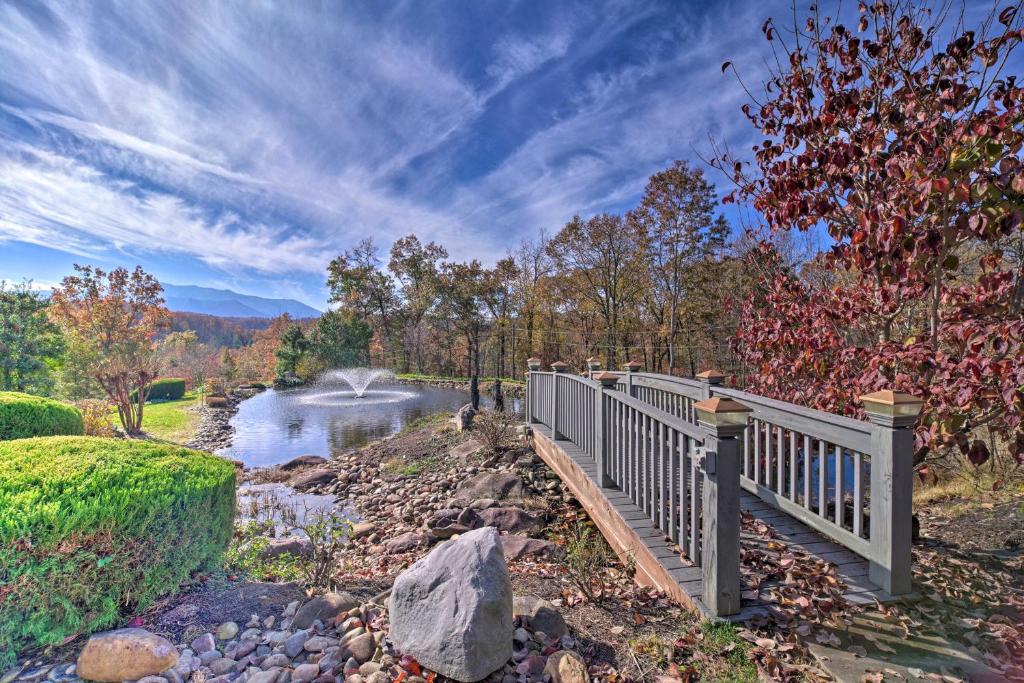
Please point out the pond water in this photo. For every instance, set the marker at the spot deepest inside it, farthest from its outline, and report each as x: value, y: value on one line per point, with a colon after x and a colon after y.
x: 276, y: 426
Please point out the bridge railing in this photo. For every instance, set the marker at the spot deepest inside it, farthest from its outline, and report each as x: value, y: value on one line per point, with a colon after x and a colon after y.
x: 660, y: 461
x: 848, y: 479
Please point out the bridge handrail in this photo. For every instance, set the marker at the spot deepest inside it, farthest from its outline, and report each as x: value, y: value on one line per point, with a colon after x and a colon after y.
x: 667, y: 419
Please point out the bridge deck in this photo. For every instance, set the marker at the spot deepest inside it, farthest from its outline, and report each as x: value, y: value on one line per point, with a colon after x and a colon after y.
x: 658, y: 560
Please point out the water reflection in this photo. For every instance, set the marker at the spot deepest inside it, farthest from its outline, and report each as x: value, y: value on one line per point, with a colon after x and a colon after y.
x: 276, y: 426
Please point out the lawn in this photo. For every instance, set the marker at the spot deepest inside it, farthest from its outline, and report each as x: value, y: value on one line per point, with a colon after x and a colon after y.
x: 172, y: 420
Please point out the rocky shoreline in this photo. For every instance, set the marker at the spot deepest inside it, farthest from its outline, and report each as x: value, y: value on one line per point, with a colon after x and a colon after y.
x: 511, y: 390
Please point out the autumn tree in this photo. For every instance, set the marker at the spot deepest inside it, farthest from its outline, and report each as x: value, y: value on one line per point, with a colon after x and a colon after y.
x: 114, y: 317
x: 463, y: 288
x: 606, y: 252
x: 30, y: 343
x: 415, y: 267
x: 676, y: 214
x: 901, y: 138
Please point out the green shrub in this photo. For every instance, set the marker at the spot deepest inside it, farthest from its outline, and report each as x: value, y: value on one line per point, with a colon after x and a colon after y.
x: 23, y: 416
x: 166, y: 389
x: 91, y: 527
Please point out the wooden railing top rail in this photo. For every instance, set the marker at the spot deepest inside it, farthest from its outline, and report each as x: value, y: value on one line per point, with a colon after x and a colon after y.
x: 667, y: 419
x: 838, y: 429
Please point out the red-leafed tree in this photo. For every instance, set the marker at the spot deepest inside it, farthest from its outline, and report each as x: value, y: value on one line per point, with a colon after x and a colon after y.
x: 902, y: 138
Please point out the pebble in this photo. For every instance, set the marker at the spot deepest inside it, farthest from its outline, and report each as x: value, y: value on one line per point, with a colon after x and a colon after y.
x: 227, y: 630
x: 204, y: 643
x: 222, y: 666
x: 263, y: 677
x: 304, y: 673
x: 319, y: 643
x: 294, y: 644
x: 275, y: 661
x: 206, y: 657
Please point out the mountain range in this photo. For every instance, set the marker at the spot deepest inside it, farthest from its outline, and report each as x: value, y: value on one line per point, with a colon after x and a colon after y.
x: 225, y: 303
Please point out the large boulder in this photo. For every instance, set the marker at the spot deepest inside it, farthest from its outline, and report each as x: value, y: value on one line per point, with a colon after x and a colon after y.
x: 126, y: 654
x: 452, y: 610
x: 501, y: 486
x: 463, y: 419
x: 323, y: 608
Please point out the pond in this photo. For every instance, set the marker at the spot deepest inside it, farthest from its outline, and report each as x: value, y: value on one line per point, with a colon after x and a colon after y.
x: 278, y: 425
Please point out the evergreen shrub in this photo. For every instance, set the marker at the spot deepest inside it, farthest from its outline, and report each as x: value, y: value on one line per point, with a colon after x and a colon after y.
x: 166, y: 389
x: 91, y: 528
x: 23, y: 416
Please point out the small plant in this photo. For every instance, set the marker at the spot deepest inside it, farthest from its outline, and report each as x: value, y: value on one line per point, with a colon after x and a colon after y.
x: 97, y: 417
x: 494, y: 428
x: 327, y: 532
x: 248, y: 555
x: 586, y: 556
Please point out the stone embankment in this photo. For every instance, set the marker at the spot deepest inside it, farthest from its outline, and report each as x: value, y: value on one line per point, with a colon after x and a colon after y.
x: 510, y: 389
x: 214, y: 430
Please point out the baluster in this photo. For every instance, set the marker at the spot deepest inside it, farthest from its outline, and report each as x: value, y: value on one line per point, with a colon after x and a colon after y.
x: 839, y: 487
x: 757, y: 452
x: 792, y: 466
x: 807, y: 472
x: 780, y: 464
x: 822, y: 475
x: 684, y: 495
x: 858, y: 493
x: 673, y: 489
x: 695, y: 504
x: 661, y: 489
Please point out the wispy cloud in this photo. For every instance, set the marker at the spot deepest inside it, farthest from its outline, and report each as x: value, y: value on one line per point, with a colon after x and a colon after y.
x: 266, y: 138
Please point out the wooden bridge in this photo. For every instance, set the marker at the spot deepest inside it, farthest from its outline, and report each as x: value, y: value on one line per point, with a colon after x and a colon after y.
x: 664, y: 466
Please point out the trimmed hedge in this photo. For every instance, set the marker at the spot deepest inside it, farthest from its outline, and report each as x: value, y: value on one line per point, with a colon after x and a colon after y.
x: 23, y: 416
x: 166, y: 389
x: 90, y: 527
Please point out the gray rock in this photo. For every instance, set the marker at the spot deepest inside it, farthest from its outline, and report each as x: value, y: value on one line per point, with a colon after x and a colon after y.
x: 209, y: 656
x: 518, y: 547
x: 319, y: 643
x: 309, y: 478
x: 452, y: 610
x: 204, y: 643
x: 264, y: 676
x: 463, y: 419
x: 324, y: 608
x: 293, y: 646
x: 362, y: 647
x: 407, y: 541
x: 275, y: 661
x: 305, y: 672
x: 378, y: 677
x: 152, y: 679
x: 221, y: 666
x: 511, y: 519
x: 302, y: 461
x: 291, y: 545
x: 501, y: 486
x: 540, y: 615
x: 447, y: 523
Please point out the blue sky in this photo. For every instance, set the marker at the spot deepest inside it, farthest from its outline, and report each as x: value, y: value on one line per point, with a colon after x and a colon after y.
x: 244, y: 144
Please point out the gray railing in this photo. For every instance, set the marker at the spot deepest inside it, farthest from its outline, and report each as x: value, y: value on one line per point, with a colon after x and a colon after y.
x: 658, y: 460
x: 848, y: 479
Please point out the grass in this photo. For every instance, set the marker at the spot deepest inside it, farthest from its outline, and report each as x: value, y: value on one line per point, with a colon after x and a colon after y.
x: 709, y: 650
x: 410, y: 468
x: 174, y: 421
x: 735, y: 667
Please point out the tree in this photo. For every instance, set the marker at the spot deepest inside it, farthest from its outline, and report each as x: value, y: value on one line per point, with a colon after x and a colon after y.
x: 903, y: 141
x: 30, y: 344
x: 341, y: 340
x: 675, y: 214
x: 415, y: 267
x: 357, y: 284
x: 463, y: 289
x: 292, y: 348
x: 113, y: 317
x: 606, y: 252
x: 497, y: 289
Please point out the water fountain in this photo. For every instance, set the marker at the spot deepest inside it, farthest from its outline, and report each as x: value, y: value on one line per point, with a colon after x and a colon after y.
x: 359, y: 378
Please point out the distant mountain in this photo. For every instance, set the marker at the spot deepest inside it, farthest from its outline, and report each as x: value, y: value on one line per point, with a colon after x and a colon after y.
x: 225, y: 303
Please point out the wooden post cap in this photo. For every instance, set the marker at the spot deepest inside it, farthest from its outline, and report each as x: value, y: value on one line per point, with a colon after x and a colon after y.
x: 632, y: 366
x: 711, y: 376
x: 559, y: 366
x: 721, y: 412
x: 893, y: 408
x: 533, y: 363
x: 594, y: 362
x: 608, y: 379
